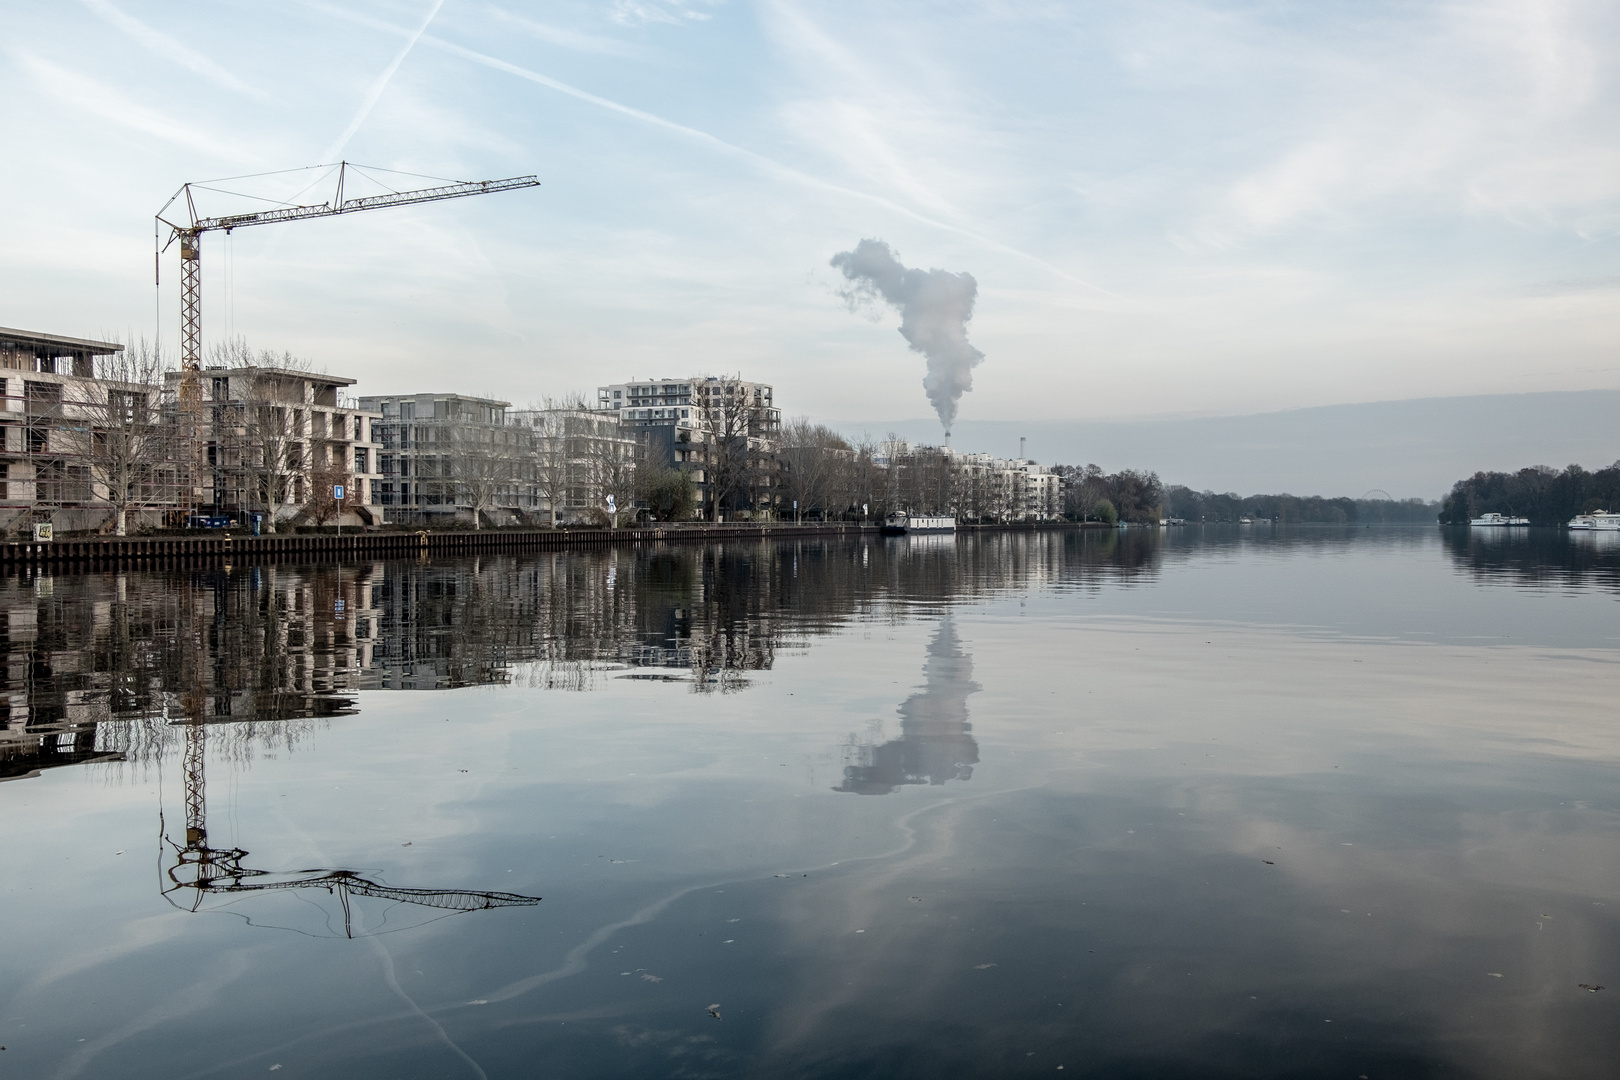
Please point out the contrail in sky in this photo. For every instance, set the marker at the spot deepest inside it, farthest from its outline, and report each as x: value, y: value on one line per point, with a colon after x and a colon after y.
x: 379, y: 86
x: 771, y: 165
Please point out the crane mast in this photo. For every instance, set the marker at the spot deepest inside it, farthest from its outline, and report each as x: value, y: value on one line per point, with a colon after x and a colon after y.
x: 189, y: 228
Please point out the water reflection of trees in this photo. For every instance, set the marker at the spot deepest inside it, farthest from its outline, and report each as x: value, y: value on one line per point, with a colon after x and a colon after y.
x: 105, y: 665
x: 1545, y: 558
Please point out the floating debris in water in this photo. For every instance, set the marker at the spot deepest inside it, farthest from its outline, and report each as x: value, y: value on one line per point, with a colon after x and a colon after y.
x: 1590, y: 988
x: 714, y: 1010
x: 651, y: 978
x: 981, y: 967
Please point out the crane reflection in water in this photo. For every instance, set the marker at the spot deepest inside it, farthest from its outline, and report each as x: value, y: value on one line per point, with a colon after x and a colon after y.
x: 204, y: 871
x: 935, y: 743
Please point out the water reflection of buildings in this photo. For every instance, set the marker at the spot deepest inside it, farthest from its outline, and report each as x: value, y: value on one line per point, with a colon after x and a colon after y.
x: 934, y: 744
x: 103, y: 666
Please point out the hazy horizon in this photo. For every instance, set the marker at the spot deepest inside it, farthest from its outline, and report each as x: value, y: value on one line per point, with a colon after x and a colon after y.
x: 1411, y: 448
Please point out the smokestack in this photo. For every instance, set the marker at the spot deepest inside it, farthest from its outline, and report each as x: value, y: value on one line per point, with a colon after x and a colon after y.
x: 947, y: 440
x: 1022, y: 439
x: 934, y: 306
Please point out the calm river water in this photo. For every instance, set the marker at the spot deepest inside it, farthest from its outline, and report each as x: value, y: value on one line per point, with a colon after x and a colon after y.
x: 1213, y: 802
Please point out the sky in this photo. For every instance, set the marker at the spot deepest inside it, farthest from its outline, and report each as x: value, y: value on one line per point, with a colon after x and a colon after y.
x: 1179, y: 208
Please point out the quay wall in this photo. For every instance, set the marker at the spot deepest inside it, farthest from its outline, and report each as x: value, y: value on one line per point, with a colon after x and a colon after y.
x: 107, y: 552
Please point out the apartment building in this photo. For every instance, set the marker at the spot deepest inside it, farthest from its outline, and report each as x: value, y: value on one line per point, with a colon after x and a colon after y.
x: 579, y: 458
x: 444, y: 457
x: 78, y: 451
x: 277, y: 440
x: 723, y: 432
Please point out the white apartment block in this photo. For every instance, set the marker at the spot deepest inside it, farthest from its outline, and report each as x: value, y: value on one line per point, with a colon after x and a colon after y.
x: 673, y: 414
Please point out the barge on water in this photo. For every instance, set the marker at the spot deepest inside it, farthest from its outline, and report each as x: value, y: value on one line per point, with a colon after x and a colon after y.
x: 901, y: 523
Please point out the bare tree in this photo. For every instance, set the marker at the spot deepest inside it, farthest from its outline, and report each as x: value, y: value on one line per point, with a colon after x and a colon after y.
x: 813, y: 456
x: 323, y: 504
x: 1084, y: 489
x: 130, y: 445
x: 484, y: 464
x: 737, y: 446
x: 614, y: 464
x: 260, y: 427
x: 555, y: 453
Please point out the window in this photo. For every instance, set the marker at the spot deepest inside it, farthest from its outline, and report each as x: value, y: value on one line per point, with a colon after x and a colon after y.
x: 360, y: 460
x: 407, y: 410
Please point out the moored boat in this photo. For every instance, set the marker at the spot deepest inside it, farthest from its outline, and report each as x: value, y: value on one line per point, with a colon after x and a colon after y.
x: 1497, y: 521
x: 1597, y: 521
x: 901, y: 523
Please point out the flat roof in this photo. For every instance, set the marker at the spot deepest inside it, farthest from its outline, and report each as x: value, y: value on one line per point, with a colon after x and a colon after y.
x: 290, y: 373
x: 35, y: 340
x: 436, y: 397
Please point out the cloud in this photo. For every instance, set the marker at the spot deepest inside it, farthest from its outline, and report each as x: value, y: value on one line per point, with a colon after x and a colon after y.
x: 772, y: 166
x: 170, y: 49
x: 104, y: 101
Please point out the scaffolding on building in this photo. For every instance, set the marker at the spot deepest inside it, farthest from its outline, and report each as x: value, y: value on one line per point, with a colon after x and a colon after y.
x: 85, y: 434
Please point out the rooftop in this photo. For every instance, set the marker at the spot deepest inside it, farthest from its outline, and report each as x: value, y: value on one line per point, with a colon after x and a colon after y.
x: 61, y: 344
x: 290, y: 373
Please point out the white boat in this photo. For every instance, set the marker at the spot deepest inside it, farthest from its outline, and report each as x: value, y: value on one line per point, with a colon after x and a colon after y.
x: 1597, y: 521
x: 901, y: 523
x: 1486, y: 521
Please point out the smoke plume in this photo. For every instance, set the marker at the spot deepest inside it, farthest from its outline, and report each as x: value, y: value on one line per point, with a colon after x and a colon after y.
x: 934, y: 306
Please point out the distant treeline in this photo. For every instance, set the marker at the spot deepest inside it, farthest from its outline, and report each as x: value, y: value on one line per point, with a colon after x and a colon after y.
x: 1130, y: 495
x: 1182, y: 502
x: 1540, y: 493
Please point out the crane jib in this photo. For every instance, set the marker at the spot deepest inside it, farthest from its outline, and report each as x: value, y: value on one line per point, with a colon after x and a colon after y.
x: 368, y: 202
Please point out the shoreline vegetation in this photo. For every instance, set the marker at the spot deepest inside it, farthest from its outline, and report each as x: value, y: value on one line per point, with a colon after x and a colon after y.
x: 1545, y: 495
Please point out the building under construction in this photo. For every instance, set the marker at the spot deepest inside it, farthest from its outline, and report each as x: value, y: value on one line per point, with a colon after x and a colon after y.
x: 276, y: 442
x: 94, y: 438
x: 84, y: 437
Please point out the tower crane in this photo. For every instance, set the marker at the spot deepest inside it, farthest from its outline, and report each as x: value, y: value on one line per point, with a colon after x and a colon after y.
x: 188, y: 228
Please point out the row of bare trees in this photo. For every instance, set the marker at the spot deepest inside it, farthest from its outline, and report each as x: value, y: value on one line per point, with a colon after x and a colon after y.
x: 826, y: 476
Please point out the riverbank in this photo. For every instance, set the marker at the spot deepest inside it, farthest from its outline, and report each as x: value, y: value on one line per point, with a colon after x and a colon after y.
x: 107, y: 552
